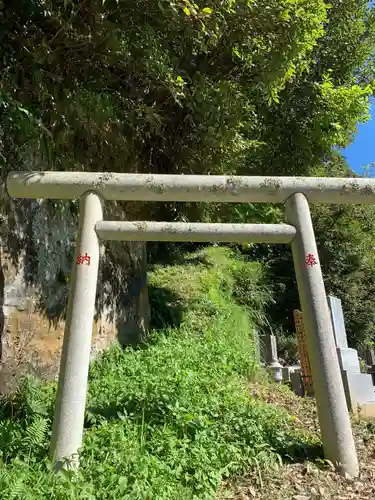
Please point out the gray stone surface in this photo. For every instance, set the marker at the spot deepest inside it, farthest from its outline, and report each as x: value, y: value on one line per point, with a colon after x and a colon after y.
x: 67, y: 428
x: 348, y: 359
x: 297, y: 385
x: 287, y: 371
x: 268, y: 348
x: 358, y: 388
x: 334, y: 420
x: 338, y: 322
x: 370, y: 356
x: 257, y: 345
x: 49, y: 234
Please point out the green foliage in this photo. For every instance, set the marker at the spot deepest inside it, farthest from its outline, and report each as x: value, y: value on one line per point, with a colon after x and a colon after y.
x: 25, y: 420
x: 345, y: 236
x: 341, y: 108
x: 215, y: 269
x: 169, y: 420
x: 246, y: 87
x: 165, y: 83
x: 346, y: 249
x: 318, y: 110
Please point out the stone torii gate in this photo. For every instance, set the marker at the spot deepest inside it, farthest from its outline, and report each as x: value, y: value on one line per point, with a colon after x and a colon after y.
x: 93, y: 188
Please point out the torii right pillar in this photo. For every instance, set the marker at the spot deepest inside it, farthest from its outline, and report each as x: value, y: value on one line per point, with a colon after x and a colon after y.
x: 334, y: 420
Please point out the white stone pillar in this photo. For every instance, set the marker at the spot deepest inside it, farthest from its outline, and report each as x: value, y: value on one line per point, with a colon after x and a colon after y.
x: 67, y: 430
x: 335, y: 426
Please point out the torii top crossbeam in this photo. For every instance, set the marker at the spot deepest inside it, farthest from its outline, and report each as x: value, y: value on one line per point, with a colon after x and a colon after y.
x: 189, y: 188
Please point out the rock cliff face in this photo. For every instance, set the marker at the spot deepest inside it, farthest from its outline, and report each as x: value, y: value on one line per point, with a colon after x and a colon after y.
x: 30, y: 341
x: 33, y: 292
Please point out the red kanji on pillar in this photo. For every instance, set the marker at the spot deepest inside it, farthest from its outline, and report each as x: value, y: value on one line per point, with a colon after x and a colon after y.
x: 81, y: 259
x: 310, y: 260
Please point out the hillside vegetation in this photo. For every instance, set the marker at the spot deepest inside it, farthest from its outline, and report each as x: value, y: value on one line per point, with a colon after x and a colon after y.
x: 173, y: 418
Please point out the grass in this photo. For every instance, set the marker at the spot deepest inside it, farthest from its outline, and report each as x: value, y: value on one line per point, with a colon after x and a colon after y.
x: 170, y: 420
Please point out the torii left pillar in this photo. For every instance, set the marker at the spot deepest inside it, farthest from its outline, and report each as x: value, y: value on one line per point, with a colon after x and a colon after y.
x: 67, y: 429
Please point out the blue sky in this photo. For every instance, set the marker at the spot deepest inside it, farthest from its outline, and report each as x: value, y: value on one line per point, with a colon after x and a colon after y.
x: 362, y: 151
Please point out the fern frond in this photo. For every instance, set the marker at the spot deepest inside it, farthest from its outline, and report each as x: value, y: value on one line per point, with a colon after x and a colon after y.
x: 35, y: 435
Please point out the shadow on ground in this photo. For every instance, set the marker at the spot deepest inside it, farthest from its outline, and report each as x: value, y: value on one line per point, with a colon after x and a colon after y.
x: 166, y: 308
x: 174, y: 254
x: 299, y: 452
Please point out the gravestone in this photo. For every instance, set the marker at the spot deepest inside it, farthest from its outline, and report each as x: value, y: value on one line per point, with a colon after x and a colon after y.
x: 297, y: 384
x: 287, y: 371
x: 359, y: 387
x: 338, y: 322
x: 268, y: 348
x: 268, y: 354
x: 348, y: 359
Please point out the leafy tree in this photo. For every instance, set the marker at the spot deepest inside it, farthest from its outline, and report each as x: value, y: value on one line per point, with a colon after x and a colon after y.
x: 213, y: 87
x: 316, y: 112
x: 320, y: 108
x: 162, y: 86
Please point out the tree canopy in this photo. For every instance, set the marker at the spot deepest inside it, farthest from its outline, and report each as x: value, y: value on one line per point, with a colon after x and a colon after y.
x: 177, y: 86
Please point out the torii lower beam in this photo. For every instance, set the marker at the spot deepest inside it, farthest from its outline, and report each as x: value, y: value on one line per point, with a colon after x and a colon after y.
x: 200, y: 232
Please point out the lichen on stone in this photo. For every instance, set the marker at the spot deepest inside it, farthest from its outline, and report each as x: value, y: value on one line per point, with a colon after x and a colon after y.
x: 271, y: 184
x: 169, y: 228
x: 351, y: 186
x: 218, y: 188
x: 368, y: 190
x: 141, y: 226
x: 102, y: 179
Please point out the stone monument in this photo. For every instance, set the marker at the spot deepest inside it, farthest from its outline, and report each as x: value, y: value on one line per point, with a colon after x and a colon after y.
x: 359, y: 388
x: 268, y: 353
x: 257, y: 345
